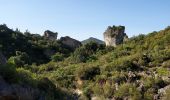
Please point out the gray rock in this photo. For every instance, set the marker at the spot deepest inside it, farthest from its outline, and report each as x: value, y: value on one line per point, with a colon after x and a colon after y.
x: 115, y: 35
x: 18, y: 92
x: 50, y: 35
x: 70, y: 42
x: 162, y: 91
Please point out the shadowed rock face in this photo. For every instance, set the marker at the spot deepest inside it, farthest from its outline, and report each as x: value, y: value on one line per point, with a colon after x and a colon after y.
x: 18, y: 92
x: 114, y: 35
x: 2, y: 59
x: 50, y: 35
x: 70, y: 42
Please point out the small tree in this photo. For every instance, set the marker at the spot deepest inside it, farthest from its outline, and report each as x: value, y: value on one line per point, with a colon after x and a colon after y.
x: 57, y: 57
x: 20, y: 59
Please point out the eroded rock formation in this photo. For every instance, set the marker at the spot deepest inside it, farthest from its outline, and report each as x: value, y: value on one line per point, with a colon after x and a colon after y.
x: 50, y: 35
x: 115, y: 35
x: 18, y: 92
x: 70, y: 42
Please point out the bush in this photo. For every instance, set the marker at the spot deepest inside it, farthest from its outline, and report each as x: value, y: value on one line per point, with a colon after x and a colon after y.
x: 163, y: 71
x: 149, y: 94
x: 119, y: 77
x: 80, y: 55
x: 88, y: 73
x: 106, y: 89
x: 85, y: 53
x: 128, y: 90
x: 45, y: 84
x: 8, y: 72
x: 123, y: 63
x: 155, y: 83
x: 47, y: 67
x: 20, y: 59
x: 62, y: 77
x: 57, y: 57
x: 26, y: 77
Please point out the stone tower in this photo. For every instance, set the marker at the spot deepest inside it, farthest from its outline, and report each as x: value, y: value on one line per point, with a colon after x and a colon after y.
x: 114, y: 35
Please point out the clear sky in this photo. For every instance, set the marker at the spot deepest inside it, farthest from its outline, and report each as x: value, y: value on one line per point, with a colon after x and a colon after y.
x: 81, y: 19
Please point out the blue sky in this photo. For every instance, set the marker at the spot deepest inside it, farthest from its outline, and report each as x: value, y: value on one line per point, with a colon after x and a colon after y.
x: 82, y: 19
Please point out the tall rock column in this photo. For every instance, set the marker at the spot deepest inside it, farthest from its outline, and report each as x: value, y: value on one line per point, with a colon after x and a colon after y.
x: 114, y: 35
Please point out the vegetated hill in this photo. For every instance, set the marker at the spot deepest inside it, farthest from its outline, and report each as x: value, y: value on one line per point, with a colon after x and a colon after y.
x: 91, y: 39
x: 138, y: 69
x: 30, y: 48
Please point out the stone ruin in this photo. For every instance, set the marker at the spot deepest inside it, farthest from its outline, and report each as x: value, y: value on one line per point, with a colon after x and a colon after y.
x: 115, y: 35
x: 50, y: 35
x: 70, y: 42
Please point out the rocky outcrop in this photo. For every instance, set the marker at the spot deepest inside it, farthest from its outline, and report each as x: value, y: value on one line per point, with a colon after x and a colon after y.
x: 18, y: 92
x: 115, y: 35
x: 50, y: 35
x: 70, y: 42
x: 2, y: 59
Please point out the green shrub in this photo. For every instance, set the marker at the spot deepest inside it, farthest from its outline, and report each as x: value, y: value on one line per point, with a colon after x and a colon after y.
x: 47, y: 67
x: 88, y: 73
x: 80, y: 55
x: 152, y: 82
x: 105, y: 89
x: 62, y: 77
x: 163, y: 71
x: 128, y: 90
x: 8, y: 72
x: 57, y: 57
x: 45, y: 84
x: 26, y: 77
x: 118, y: 77
x: 124, y: 63
x: 85, y: 53
x: 20, y: 59
x: 149, y: 94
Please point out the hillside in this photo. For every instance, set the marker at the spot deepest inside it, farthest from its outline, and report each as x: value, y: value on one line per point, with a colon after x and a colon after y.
x: 138, y: 69
x: 91, y: 39
x: 32, y: 47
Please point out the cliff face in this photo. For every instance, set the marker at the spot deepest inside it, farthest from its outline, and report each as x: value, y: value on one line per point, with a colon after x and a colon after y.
x: 114, y: 35
x: 18, y: 92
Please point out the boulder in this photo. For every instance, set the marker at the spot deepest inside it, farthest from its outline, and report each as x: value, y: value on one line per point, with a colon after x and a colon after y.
x: 70, y: 42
